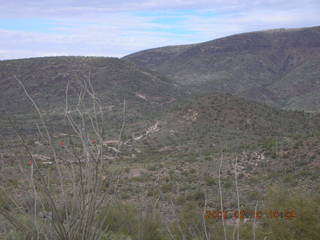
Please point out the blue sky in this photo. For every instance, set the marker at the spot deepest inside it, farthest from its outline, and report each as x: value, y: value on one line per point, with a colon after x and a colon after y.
x: 118, y: 27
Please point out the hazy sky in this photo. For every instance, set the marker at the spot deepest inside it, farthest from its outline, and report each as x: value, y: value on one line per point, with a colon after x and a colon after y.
x: 30, y: 28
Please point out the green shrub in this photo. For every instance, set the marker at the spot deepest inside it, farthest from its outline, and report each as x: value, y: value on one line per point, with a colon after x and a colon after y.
x: 305, y: 225
x: 167, y: 187
x: 180, y: 200
x: 119, y: 218
x: 227, y: 184
x: 197, y: 196
x: 254, y: 195
x: 125, y: 222
x: 210, y: 181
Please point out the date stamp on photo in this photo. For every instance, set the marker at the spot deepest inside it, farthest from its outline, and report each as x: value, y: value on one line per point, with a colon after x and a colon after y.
x: 242, y: 214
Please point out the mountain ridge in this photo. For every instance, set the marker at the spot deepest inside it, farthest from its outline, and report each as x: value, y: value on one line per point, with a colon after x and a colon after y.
x: 278, y: 67
x: 47, y: 77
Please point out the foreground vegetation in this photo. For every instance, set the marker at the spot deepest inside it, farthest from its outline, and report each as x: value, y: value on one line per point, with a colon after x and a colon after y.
x: 160, y: 176
x: 123, y: 221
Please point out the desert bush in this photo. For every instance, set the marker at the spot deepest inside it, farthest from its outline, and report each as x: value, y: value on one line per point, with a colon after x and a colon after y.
x: 74, y: 199
x: 125, y: 221
x: 167, y: 187
x: 305, y: 225
x: 119, y: 218
x: 210, y: 181
x: 254, y: 196
x: 189, y: 222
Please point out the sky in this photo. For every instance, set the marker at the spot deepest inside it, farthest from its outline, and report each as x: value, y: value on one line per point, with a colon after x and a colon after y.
x: 115, y: 28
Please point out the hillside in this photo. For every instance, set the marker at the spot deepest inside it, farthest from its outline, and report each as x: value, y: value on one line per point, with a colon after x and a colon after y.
x: 112, y: 79
x: 46, y: 80
x: 173, y: 155
x: 150, y: 98
x: 217, y: 121
x: 279, y: 67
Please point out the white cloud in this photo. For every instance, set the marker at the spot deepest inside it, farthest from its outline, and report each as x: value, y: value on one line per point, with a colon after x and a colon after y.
x: 114, y: 28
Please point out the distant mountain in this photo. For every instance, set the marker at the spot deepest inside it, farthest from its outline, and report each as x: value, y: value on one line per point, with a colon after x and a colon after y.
x: 279, y: 67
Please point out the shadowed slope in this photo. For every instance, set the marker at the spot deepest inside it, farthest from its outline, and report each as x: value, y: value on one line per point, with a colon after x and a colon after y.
x: 279, y: 67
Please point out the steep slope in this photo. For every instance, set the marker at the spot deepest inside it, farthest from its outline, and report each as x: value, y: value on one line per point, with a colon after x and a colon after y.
x: 112, y: 79
x: 46, y: 80
x: 278, y: 67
